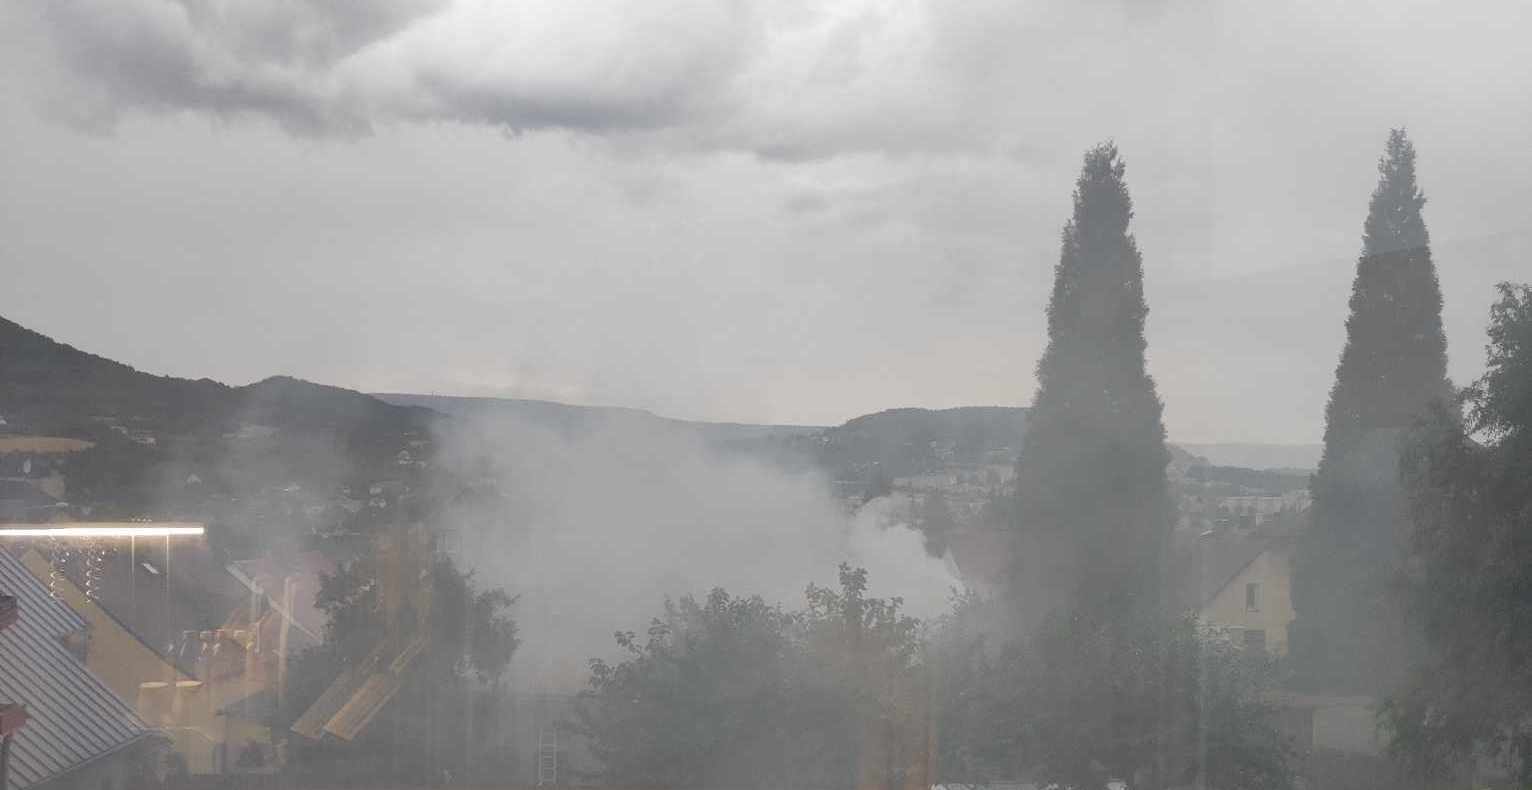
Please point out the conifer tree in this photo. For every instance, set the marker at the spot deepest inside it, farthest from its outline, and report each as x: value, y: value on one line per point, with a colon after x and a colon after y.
x: 1093, y: 508
x: 1348, y: 636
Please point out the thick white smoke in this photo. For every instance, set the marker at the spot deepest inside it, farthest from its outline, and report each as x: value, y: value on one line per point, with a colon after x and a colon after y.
x: 595, y: 531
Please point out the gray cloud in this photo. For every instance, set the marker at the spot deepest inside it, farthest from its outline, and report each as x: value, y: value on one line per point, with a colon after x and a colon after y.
x: 788, y: 81
x: 325, y: 67
x: 792, y: 210
x: 806, y: 203
x: 656, y: 514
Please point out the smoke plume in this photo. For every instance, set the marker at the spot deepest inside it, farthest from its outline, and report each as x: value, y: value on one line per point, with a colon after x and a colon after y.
x: 594, y: 530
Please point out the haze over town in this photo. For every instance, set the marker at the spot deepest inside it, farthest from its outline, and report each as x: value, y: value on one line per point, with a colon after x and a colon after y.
x: 765, y: 395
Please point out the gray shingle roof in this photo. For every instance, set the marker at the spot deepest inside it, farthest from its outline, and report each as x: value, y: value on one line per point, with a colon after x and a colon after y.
x: 73, y: 717
x: 191, y: 592
x: 1222, y: 556
x: 55, y: 618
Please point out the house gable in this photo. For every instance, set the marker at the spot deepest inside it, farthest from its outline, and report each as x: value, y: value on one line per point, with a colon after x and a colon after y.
x: 1257, y: 598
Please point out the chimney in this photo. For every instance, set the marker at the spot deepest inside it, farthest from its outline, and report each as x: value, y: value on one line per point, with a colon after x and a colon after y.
x: 155, y: 702
x: 190, y: 698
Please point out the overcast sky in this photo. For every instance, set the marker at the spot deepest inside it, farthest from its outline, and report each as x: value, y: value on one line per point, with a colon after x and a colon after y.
x: 754, y: 210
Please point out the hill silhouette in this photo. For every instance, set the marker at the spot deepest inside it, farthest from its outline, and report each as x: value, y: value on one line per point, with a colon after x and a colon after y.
x: 573, y: 419
x: 47, y: 387
x: 908, y: 441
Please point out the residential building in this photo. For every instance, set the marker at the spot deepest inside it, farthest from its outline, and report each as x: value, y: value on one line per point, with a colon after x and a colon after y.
x: 185, y: 641
x: 1243, y: 583
x: 77, y: 731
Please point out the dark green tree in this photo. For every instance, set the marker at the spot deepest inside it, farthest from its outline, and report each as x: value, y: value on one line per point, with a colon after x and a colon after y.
x: 441, y: 721
x: 1093, y: 515
x: 1188, y: 709
x: 734, y: 692
x: 865, y: 654
x: 699, y: 701
x: 1348, y: 636
x: 1470, y: 579
x: 1093, y: 507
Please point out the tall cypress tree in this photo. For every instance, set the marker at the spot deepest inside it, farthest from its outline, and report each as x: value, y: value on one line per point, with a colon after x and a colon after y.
x: 1348, y: 636
x: 1093, y: 508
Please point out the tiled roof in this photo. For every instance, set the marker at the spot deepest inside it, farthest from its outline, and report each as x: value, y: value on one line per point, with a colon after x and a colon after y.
x: 55, y: 618
x: 73, y: 717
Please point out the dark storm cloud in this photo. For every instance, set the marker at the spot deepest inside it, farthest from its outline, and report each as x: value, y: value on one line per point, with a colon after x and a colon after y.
x: 332, y: 68
x: 225, y: 58
x: 786, y: 80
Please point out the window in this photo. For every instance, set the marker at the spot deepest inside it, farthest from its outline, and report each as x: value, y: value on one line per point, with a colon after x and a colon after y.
x: 1253, y: 597
x: 1255, y: 639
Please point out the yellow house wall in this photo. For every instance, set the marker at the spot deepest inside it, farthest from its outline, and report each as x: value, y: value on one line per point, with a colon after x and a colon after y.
x: 115, y: 655
x: 123, y: 662
x: 1273, y: 571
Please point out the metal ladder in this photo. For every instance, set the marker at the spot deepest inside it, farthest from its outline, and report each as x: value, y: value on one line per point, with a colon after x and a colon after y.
x: 547, y: 757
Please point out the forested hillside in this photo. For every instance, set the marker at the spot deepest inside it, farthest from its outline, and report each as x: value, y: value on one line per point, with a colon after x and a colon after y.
x: 47, y: 387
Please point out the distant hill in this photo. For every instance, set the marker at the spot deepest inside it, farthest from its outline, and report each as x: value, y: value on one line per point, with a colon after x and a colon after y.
x: 572, y: 419
x: 52, y: 388
x: 539, y: 412
x: 1264, y: 482
x: 891, y: 443
x: 1297, y: 457
x: 875, y: 448
x: 48, y: 386
x: 258, y: 460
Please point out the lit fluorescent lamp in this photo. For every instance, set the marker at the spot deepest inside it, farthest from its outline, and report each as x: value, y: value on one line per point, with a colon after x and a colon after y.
x: 105, y: 529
